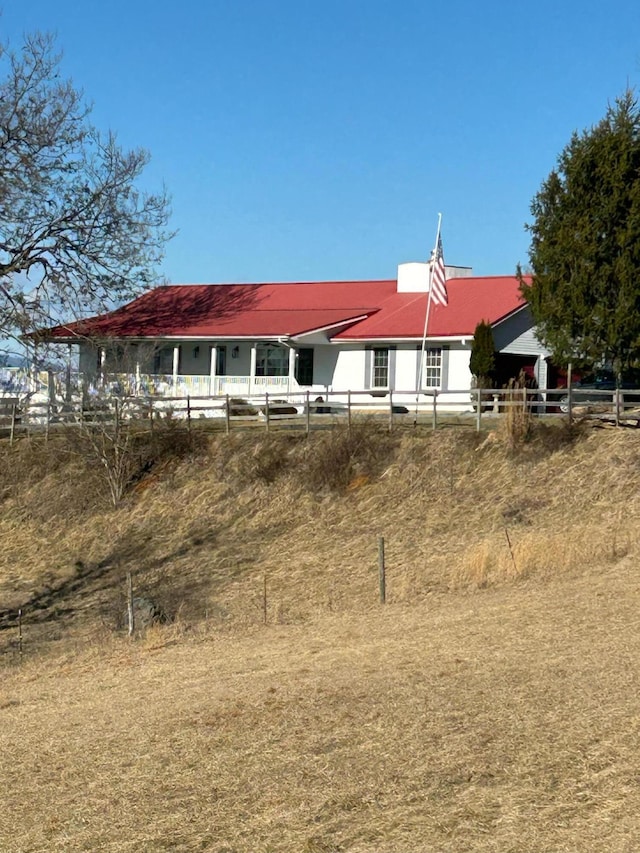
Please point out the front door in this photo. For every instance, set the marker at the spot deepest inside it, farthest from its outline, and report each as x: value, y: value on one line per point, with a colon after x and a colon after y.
x: 304, y: 366
x: 221, y: 361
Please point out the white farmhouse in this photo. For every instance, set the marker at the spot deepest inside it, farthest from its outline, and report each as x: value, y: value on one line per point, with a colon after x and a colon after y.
x: 332, y: 336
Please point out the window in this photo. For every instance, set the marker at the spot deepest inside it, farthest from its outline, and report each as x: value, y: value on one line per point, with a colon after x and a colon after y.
x: 380, y: 368
x: 163, y: 361
x: 272, y: 361
x: 433, y: 368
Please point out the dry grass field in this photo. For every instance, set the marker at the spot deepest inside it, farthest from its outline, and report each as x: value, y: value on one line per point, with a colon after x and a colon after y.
x: 491, y: 705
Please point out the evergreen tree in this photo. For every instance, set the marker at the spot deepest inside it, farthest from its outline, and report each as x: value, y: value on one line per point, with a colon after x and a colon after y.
x: 584, y: 291
x: 483, y: 356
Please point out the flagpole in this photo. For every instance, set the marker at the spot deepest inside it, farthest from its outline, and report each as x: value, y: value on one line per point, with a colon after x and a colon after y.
x: 426, y: 317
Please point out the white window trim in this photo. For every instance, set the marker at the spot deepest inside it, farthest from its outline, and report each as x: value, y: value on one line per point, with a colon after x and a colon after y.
x: 438, y: 366
x: 372, y: 377
x: 262, y: 353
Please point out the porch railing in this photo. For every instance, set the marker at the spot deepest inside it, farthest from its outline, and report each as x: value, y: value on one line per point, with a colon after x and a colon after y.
x: 24, y: 382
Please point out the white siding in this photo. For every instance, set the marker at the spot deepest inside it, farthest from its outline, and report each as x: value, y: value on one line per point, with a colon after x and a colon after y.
x: 516, y: 336
x: 349, y: 369
x: 349, y: 374
x: 459, y: 373
x: 324, y: 365
x: 194, y: 358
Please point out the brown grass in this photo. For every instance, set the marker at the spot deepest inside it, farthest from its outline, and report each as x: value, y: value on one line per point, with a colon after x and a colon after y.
x: 490, y: 706
x: 501, y: 723
x: 199, y: 533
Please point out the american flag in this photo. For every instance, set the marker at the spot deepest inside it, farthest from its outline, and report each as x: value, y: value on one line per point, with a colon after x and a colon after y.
x: 439, y: 277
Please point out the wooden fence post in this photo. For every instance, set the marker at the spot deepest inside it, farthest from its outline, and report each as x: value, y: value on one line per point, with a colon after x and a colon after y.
x: 390, y: 410
x: 349, y: 411
x: 266, y: 408
x: 382, y: 578
x: 308, y: 411
x: 20, y: 633
x: 130, y: 614
x: 478, y: 409
x: 570, y: 400
x: 14, y: 409
x: 435, y: 410
x: 189, y: 413
x: 227, y: 416
x: 264, y: 599
x: 513, y: 558
x: 48, y: 421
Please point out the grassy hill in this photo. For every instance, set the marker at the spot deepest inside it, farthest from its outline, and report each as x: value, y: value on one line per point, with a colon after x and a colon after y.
x: 490, y: 705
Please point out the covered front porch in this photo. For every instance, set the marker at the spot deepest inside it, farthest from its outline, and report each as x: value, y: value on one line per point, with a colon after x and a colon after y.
x: 199, y: 368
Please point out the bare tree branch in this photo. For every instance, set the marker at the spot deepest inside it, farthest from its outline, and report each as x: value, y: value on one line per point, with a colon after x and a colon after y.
x: 73, y: 222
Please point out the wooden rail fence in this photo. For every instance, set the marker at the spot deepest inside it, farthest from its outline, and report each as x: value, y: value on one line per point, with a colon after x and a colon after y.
x: 19, y: 416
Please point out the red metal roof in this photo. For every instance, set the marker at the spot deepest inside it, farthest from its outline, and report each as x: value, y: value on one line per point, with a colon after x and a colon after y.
x: 290, y: 309
x: 471, y: 300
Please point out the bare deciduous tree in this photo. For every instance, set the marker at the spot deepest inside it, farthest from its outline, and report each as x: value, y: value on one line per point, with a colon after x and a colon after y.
x: 110, y: 444
x: 76, y: 233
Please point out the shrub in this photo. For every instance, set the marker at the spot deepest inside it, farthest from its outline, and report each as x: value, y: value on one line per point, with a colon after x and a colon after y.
x: 334, y: 460
x: 483, y: 357
x: 124, y: 454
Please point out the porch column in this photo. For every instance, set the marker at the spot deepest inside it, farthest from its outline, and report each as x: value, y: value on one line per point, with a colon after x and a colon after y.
x: 252, y: 369
x: 103, y: 363
x: 33, y: 370
x: 51, y: 387
x: 292, y: 368
x: 176, y: 366
x: 212, y: 370
x: 137, y: 374
x: 540, y: 372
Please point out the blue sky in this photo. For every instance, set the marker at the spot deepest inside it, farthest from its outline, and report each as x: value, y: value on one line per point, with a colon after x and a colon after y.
x: 306, y: 140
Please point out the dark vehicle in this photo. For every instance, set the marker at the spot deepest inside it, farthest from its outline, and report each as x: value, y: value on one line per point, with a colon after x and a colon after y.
x: 599, y: 389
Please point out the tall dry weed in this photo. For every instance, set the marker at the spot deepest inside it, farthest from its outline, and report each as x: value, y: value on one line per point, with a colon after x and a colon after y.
x: 546, y: 552
x: 345, y: 457
x: 251, y: 458
x: 517, y: 423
